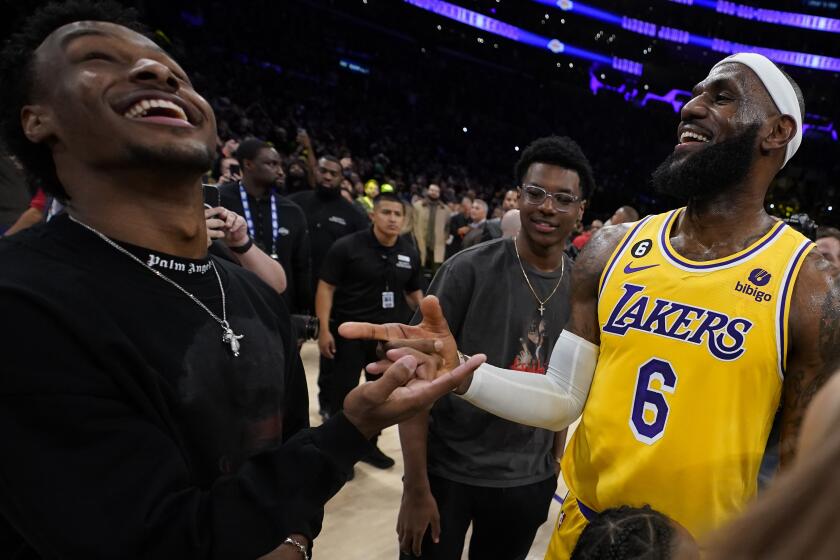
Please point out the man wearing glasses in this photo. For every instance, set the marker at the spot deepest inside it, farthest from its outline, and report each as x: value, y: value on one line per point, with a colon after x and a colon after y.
x: 509, y: 298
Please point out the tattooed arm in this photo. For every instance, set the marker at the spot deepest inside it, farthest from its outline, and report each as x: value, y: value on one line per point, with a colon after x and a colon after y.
x: 586, y: 275
x: 814, y: 353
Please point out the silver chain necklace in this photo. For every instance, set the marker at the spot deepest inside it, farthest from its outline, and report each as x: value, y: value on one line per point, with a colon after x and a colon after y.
x: 542, y: 302
x: 228, y: 336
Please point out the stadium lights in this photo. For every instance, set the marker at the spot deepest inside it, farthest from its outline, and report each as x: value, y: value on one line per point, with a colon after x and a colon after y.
x: 502, y: 29
x: 673, y: 35
x: 788, y: 19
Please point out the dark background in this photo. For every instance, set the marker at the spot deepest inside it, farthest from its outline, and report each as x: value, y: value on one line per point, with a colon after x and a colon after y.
x: 272, y: 67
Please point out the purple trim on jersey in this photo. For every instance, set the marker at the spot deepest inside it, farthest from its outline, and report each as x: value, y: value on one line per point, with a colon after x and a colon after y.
x: 620, y: 251
x: 587, y: 512
x: 677, y: 258
x: 786, y: 283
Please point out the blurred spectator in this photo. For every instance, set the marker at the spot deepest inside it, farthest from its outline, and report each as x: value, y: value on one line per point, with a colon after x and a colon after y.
x: 31, y: 216
x: 366, y: 200
x: 584, y: 237
x: 275, y: 224
x: 230, y: 171
x: 14, y: 193
x: 297, y: 179
x: 372, y: 276
x: 330, y: 217
x: 511, y: 200
x: 431, y: 221
x: 623, y: 215
x: 511, y: 223
x: 828, y: 243
x: 459, y: 226
x: 481, y: 229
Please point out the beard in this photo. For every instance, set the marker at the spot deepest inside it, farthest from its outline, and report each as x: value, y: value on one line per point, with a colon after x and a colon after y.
x: 327, y: 192
x: 709, y: 172
x: 181, y: 159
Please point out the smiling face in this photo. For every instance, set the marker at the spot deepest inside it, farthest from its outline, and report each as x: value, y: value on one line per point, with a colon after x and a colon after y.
x: 718, y: 138
x: 106, y: 97
x: 545, y: 224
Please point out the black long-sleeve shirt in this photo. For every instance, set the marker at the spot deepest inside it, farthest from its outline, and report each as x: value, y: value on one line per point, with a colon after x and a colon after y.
x: 330, y: 218
x: 292, y: 246
x: 128, y: 429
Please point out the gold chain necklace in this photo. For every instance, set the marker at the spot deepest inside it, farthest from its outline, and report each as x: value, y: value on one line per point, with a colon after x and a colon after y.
x: 525, y: 274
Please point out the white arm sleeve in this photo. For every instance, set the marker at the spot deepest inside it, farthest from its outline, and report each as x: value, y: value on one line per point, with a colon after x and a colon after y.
x: 551, y: 401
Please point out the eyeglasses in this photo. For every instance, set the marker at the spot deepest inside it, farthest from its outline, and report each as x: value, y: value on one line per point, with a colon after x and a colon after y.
x: 537, y: 195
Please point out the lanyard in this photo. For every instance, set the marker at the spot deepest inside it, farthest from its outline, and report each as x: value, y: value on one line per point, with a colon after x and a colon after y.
x: 275, y: 225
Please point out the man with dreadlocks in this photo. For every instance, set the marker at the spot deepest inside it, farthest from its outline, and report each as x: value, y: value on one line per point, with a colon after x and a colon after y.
x: 167, y: 418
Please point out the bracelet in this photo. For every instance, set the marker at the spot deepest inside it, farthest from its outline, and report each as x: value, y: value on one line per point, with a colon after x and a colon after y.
x: 242, y: 249
x: 298, y: 545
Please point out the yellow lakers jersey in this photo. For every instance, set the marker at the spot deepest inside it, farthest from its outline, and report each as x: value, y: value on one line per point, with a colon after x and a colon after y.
x: 689, y: 375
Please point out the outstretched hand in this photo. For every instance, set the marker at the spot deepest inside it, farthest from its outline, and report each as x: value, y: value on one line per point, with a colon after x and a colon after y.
x: 431, y: 341
x: 399, y: 394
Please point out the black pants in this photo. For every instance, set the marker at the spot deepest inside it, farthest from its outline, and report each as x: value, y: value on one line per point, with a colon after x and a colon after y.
x: 505, y: 520
x: 339, y: 376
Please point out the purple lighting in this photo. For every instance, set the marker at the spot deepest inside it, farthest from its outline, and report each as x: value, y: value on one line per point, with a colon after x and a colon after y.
x: 777, y: 17
x: 676, y: 98
x: 496, y: 27
x: 670, y: 98
x: 790, y: 58
x: 816, y: 125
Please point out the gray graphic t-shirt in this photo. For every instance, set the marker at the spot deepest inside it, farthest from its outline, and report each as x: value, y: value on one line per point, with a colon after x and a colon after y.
x: 491, y: 310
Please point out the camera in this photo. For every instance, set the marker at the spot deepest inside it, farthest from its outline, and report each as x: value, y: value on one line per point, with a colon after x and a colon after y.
x: 305, y: 327
x: 803, y: 224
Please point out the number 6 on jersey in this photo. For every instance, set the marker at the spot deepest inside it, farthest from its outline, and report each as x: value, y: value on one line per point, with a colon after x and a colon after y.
x: 650, y: 403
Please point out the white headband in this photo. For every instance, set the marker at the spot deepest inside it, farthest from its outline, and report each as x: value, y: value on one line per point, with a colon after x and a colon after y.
x: 779, y: 88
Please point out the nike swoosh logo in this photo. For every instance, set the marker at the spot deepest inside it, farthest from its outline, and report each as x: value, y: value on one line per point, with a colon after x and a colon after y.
x: 630, y: 270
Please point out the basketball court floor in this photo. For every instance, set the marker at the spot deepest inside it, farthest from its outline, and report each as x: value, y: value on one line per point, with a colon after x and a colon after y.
x: 361, y: 520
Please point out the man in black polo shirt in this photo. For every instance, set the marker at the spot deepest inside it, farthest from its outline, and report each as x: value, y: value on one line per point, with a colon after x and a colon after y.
x: 276, y: 225
x: 330, y: 218
x: 373, y: 276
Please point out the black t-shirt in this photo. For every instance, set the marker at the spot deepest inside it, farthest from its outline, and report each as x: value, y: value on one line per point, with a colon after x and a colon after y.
x: 127, y: 427
x: 292, y: 244
x: 491, y: 310
x: 361, y: 269
x: 330, y: 218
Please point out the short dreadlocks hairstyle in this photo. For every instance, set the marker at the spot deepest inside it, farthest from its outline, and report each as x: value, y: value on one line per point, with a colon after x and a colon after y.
x: 626, y: 533
x: 17, y: 74
x: 561, y: 151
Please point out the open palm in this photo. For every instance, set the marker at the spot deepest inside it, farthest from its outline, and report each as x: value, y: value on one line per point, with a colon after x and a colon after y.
x: 432, y: 341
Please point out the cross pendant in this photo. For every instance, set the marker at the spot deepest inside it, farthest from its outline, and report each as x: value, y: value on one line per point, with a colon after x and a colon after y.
x: 233, y: 339
x: 542, y: 309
